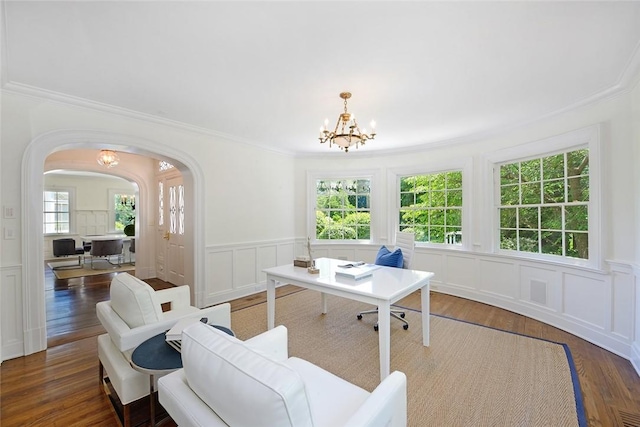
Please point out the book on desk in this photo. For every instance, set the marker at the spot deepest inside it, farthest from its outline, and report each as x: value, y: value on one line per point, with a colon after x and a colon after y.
x: 356, y: 270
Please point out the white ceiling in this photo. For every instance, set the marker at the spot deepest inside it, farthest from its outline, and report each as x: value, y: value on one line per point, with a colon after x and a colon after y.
x: 269, y: 73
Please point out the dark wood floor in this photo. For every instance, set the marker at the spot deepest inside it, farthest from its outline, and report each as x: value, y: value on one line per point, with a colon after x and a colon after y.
x: 60, y: 387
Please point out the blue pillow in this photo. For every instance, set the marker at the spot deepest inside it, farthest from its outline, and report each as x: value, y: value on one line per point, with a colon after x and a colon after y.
x: 390, y: 259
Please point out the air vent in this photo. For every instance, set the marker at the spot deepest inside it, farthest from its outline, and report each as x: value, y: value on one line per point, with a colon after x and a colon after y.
x: 626, y: 418
x: 538, y: 292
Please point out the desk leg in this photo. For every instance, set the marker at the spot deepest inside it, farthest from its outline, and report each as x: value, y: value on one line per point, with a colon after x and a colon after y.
x: 384, y: 338
x: 271, y: 303
x: 152, y: 402
x: 324, y: 303
x: 426, y: 313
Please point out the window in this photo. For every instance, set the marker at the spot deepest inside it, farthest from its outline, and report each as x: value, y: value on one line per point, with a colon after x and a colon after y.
x: 56, y: 212
x: 544, y: 204
x: 124, y: 209
x: 343, y: 209
x: 431, y: 207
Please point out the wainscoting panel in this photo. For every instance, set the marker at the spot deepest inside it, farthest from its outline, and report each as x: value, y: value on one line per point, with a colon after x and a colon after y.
x: 432, y: 262
x: 92, y: 222
x: 497, y: 277
x: 235, y: 271
x: 12, y: 326
x: 462, y: 271
x: 245, y: 262
x: 623, y: 295
x: 591, y: 305
x: 219, y: 273
x: 267, y: 257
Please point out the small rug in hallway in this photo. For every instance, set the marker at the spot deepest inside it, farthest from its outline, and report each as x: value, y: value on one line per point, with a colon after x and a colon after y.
x: 470, y: 375
x: 100, y: 267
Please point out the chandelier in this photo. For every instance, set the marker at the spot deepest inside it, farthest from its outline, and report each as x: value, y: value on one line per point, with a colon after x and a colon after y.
x: 346, y: 133
x: 108, y: 158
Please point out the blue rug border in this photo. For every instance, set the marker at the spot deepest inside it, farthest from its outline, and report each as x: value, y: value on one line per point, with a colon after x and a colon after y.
x: 577, y: 391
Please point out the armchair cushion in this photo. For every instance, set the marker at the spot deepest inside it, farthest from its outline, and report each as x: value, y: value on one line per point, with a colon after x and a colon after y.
x: 390, y: 259
x: 276, y: 391
x: 134, y: 301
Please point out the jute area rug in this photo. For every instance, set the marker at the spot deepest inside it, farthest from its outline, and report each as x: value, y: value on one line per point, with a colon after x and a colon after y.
x: 99, y: 267
x: 470, y: 375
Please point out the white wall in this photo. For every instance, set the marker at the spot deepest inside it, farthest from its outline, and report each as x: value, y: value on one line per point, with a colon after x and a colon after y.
x: 230, y: 180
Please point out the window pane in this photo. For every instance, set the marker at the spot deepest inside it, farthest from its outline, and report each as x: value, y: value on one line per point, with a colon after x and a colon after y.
x: 509, y: 239
x: 553, y: 167
x: 551, y: 218
x: 528, y: 217
x: 531, y: 193
x: 530, y: 171
x: 577, y: 218
x: 578, y: 189
x: 508, y: 218
x: 510, y: 174
x: 510, y: 195
x: 578, y: 163
x: 528, y: 241
x: 576, y: 245
x: 454, y: 198
x: 436, y: 217
x: 552, y: 242
x: 553, y: 191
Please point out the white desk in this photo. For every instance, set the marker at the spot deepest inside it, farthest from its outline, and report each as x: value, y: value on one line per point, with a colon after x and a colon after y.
x: 386, y: 286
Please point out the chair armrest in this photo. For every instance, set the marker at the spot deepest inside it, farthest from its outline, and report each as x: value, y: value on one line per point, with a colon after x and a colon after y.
x: 217, y: 315
x: 179, y: 297
x: 387, y: 404
x: 272, y: 343
x: 125, y: 338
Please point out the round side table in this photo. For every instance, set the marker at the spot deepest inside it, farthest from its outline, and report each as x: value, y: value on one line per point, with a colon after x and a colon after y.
x: 156, y: 357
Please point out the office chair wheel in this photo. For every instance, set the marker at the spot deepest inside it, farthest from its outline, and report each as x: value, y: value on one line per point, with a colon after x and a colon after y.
x: 402, y: 315
x: 405, y: 327
x: 359, y: 316
x: 375, y: 328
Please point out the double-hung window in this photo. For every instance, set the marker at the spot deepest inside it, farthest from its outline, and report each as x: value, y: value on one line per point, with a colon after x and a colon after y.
x: 57, y: 211
x: 544, y: 204
x: 430, y: 206
x: 547, y: 198
x: 342, y: 207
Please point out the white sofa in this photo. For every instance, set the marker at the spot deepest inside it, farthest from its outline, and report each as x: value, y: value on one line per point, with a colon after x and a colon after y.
x: 133, y: 315
x: 228, y: 382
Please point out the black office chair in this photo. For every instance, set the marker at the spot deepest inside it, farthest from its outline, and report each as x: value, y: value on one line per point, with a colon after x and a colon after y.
x: 64, y: 248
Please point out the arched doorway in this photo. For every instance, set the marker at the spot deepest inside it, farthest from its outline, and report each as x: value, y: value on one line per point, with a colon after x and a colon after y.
x: 34, y: 315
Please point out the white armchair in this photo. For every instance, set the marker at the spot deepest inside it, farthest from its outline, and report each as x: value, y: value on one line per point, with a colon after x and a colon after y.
x: 133, y: 315
x: 228, y: 382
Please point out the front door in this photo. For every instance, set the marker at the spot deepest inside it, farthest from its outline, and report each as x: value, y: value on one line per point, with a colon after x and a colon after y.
x: 170, y: 251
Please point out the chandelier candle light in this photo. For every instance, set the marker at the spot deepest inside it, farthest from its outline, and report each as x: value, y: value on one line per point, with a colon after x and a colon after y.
x: 108, y: 158
x: 346, y: 132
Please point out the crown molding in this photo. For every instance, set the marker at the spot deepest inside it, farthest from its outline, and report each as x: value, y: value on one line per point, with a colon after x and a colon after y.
x: 70, y: 100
